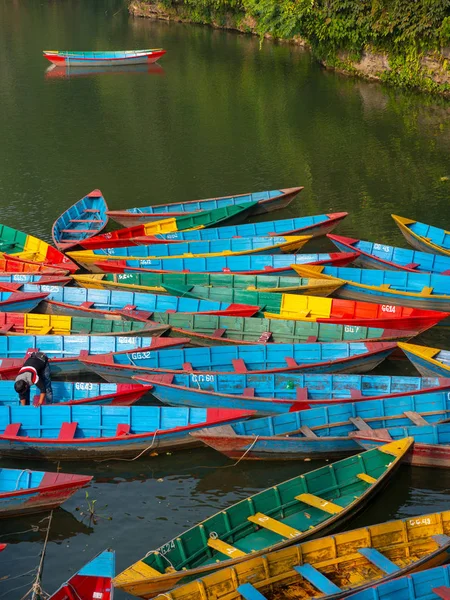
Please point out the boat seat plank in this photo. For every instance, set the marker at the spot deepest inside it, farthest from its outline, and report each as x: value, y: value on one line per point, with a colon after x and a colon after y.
x: 123, y: 429
x: 86, y: 221
x: 317, y: 579
x: 146, y: 570
x: 87, y: 304
x: 239, y: 365
x: 360, y: 423
x: 249, y: 392
x: 281, y: 529
x: 187, y: 366
x: 12, y: 430
x: 385, y: 286
x: 366, y: 478
x: 307, y: 432
x: 46, y: 330
x: 412, y: 265
x: 248, y: 592
x: 218, y: 333
x: 355, y: 394
x: 291, y: 362
x: 415, y: 417
x: 442, y: 592
x: 224, y: 548
x: 379, y: 560
x: 301, y: 394
x: 441, y: 539
x: 320, y: 503
x: 265, y: 337
x: 426, y: 291
x: 91, y: 210
x: 67, y: 431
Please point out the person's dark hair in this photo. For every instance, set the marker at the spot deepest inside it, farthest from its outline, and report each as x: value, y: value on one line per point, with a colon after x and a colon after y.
x: 21, y: 386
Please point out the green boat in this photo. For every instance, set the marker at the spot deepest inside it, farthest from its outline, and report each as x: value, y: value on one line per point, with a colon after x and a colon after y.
x: 292, y: 511
x: 207, y: 330
x: 155, y: 282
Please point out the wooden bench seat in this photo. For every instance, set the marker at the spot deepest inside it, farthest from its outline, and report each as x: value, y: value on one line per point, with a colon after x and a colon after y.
x: 224, y: 548
x: 281, y: 529
x: 320, y: 503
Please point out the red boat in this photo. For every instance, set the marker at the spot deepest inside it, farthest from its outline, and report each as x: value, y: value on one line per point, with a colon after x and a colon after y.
x: 93, y: 581
x: 12, y: 264
x: 26, y: 492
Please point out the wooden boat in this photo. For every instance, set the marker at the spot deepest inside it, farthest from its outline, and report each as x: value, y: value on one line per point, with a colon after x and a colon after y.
x: 94, y: 580
x: 331, y: 567
x: 306, y: 388
x: 430, y: 362
x: 265, y: 201
x: 15, y: 281
x: 325, y: 310
x: 103, y: 59
x: 82, y: 220
x: 25, y: 492
x: 154, y: 282
x: 19, y: 245
x: 326, y: 431
x: 431, y: 442
x: 81, y: 392
x: 95, y: 432
x: 83, y: 302
x: 22, y: 302
x: 263, y: 264
x: 196, y: 220
x: 12, y: 264
x: 210, y: 248
x: 382, y: 256
x: 430, y: 584
x: 281, y: 394
x: 314, y: 226
x: 211, y: 330
x: 294, y: 510
x: 264, y: 359
x: 417, y: 290
x: 424, y: 237
x: 64, y: 351
x: 34, y: 324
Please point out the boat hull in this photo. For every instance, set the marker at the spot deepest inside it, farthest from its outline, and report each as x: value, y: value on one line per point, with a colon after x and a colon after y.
x: 67, y: 61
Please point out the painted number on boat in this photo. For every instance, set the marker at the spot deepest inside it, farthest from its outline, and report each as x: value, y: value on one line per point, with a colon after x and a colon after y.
x: 50, y: 288
x: 381, y: 247
x: 84, y: 386
x: 127, y: 340
x: 388, y: 308
x: 424, y: 521
x: 350, y: 329
x: 167, y: 547
x: 19, y: 278
x: 124, y: 276
x: 97, y: 595
x: 200, y: 378
x: 140, y: 355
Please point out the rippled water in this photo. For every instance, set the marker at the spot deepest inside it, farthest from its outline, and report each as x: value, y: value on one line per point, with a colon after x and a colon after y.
x: 218, y: 116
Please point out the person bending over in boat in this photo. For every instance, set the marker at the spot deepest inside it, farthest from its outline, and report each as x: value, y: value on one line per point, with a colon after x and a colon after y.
x: 35, y: 371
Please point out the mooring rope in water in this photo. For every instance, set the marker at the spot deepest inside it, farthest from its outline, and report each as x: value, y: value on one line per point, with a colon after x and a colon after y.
x: 227, y: 466
x: 36, y: 590
x: 136, y: 457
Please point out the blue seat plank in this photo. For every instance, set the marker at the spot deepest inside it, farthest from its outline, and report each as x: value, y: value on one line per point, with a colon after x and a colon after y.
x: 249, y: 592
x: 379, y: 560
x: 317, y: 579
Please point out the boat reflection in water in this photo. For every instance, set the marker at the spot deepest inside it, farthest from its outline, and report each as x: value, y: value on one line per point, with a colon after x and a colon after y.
x: 56, y: 72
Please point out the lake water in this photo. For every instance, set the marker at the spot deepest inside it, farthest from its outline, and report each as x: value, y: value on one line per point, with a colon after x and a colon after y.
x: 220, y: 115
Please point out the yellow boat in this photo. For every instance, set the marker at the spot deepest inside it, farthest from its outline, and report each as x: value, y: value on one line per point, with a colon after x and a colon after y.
x: 424, y: 237
x: 233, y: 247
x: 275, y: 518
x: 333, y: 566
x: 430, y: 362
x: 154, y: 282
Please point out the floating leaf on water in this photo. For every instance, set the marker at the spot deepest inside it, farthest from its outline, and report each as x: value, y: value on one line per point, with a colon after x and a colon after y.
x: 160, y: 479
x: 154, y: 454
x: 445, y: 178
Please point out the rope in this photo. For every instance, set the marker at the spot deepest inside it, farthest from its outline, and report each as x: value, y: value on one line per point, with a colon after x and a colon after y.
x: 20, y: 475
x: 136, y: 457
x: 34, y: 529
x: 227, y: 466
x: 36, y: 589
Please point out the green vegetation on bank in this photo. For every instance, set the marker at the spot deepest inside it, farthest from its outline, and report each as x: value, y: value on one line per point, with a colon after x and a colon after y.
x: 413, y: 34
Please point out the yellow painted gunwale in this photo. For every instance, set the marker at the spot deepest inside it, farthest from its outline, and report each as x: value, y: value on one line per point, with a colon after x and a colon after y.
x: 402, y: 223
x: 425, y: 352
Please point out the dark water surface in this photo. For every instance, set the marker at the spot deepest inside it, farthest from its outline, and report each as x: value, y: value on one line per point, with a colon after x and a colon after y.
x: 219, y: 116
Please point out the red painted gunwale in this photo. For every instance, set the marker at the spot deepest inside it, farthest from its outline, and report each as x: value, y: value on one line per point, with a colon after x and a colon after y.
x: 374, y: 348
x: 52, y: 482
x: 10, y: 367
x: 44, y: 280
x: 337, y: 259
x: 214, y: 416
x: 23, y: 296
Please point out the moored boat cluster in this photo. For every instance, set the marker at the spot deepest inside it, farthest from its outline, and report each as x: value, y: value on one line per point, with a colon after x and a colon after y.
x: 254, y: 348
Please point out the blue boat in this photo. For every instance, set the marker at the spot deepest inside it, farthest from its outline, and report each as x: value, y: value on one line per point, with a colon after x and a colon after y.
x: 432, y: 584
x: 94, y: 580
x: 259, y: 264
x: 332, y: 357
x: 24, y: 492
x: 81, y: 302
x: 280, y: 393
x: 428, y: 361
x: 81, y: 392
x: 234, y: 247
x: 22, y: 302
x: 267, y: 202
x: 314, y: 225
x: 431, y: 442
x: 86, y: 432
x: 424, y: 237
x: 64, y: 351
x: 427, y: 291
x: 82, y: 220
x: 382, y: 256
x: 15, y: 281
x: 323, y: 432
